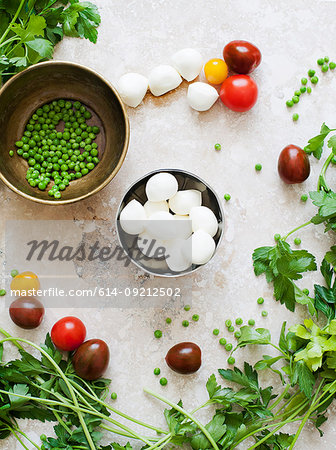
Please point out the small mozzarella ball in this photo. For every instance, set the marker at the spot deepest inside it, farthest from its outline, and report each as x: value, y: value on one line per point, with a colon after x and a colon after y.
x: 159, y: 226
x: 162, y: 79
x: 132, y: 88
x: 161, y: 186
x: 153, y: 207
x: 183, y: 201
x: 203, y: 218
x: 202, y: 247
x: 133, y: 217
x: 151, y: 247
x: 188, y: 63
x: 175, y: 256
x: 183, y: 227
x: 201, y: 96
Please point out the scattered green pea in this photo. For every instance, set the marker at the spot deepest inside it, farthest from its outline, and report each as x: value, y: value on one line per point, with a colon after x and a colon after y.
x: 304, y: 197
x: 2, y: 292
x: 158, y: 334
x: 277, y: 237
x: 195, y: 317
x: 309, y: 89
x: 264, y: 313
x: 251, y: 322
x: 320, y: 61
x: 231, y: 329
x: 237, y: 334
x: 215, y: 332
x: 311, y: 72
x: 258, y: 167
x: 227, y: 197
x: 231, y: 360
x: 157, y: 371
x: 43, y: 437
x: 297, y: 93
x: 168, y: 320
x: 228, y: 323
x: 187, y: 308
x: 260, y: 301
x: 325, y: 68
x: 11, y: 153
x: 289, y: 103
x: 185, y: 323
x: 332, y: 65
x: 303, y: 89
x: 295, y: 99
x: 239, y: 321
x: 295, y: 117
x: 297, y: 241
x: 326, y: 59
x: 314, y: 79
x: 163, y: 381
x: 222, y: 341
x: 304, y: 81
x: 218, y: 147
x: 14, y: 272
x: 305, y: 291
x: 114, y: 396
x: 228, y: 347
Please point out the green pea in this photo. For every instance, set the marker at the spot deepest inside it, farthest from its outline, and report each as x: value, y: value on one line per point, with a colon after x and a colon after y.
x: 325, y: 68
x: 289, y: 103
x: 114, y: 396
x: 326, y: 59
x: 90, y: 166
x: 309, y: 89
x: 231, y: 360
x: 11, y: 153
x: 264, y: 313
x: 237, y: 334
x: 239, y: 321
x: 218, y: 147
x: 95, y: 130
x: 258, y: 167
x: 228, y: 347
x: 260, y: 301
x: 320, y: 61
x: 163, y: 381
x: 251, y: 322
x: 304, y: 81
x: 185, y: 323
x: 314, y: 80
x: 215, y: 331
x: 305, y: 291
x: 304, y: 197
x: 84, y: 171
x: 222, y: 341
x: 195, y: 317
x: 303, y: 89
x: 14, y: 272
x: 228, y: 323
x: 297, y: 93
x: 187, y: 308
x: 295, y: 99
x: 158, y: 334
x: 168, y: 320
x: 231, y: 329
x: 19, y: 143
x: 2, y: 292
x: 227, y: 197
x: 157, y: 371
x: 332, y: 65
x: 297, y: 241
x: 57, y: 195
x: 295, y: 117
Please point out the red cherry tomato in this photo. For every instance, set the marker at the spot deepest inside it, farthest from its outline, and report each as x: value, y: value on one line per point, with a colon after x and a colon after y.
x: 184, y: 358
x: 242, y: 56
x: 26, y: 312
x: 68, y: 333
x: 239, y: 93
x: 91, y: 359
x: 293, y: 165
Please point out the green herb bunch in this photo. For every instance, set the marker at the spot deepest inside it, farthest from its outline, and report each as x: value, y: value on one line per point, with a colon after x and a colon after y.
x: 30, y: 29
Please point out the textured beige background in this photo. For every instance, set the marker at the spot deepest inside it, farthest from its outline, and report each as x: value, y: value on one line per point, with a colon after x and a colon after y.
x: 136, y: 36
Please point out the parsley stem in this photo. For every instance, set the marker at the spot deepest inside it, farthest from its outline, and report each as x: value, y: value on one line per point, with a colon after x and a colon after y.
x: 25, y: 436
x: 278, y: 400
x: 16, y: 15
x: 185, y: 413
x: 279, y: 350
x: 17, y: 437
x: 322, y: 183
x: 296, y: 229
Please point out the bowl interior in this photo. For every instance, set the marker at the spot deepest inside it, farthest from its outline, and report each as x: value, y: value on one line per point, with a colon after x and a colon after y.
x: 185, y: 181
x: 40, y: 84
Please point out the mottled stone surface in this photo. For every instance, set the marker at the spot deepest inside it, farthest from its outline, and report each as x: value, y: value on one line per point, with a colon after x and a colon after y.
x: 165, y: 132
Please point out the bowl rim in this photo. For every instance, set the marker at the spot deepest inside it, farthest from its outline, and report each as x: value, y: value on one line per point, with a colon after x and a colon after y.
x: 221, y: 209
x: 123, y: 153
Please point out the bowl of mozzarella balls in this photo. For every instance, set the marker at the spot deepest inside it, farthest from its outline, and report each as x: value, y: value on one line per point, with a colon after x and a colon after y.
x: 170, y: 223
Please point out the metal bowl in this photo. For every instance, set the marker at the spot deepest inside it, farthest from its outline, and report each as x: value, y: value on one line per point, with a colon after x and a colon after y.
x: 186, y: 180
x: 51, y: 80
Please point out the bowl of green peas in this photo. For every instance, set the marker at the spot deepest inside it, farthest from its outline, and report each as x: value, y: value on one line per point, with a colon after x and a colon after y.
x: 64, y: 133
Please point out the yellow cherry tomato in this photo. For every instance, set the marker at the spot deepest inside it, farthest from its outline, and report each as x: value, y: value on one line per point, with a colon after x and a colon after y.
x: 24, y: 282
x: 215, y: 71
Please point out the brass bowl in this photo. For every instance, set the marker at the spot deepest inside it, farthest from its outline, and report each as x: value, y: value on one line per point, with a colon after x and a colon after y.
x: 51, y: 80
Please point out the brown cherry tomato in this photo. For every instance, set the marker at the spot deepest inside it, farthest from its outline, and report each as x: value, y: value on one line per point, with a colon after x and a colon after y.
x: 293, y: 165
x: 26, y: 312
x: 91, y: 359
x: 242, y: 56
x: 184, y: 358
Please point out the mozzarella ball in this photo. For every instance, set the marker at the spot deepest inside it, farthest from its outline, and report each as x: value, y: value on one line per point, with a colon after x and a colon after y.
x: 188, y: 63
x: 203, y: 218
x: 159, y: 226
x: 183, y: 201
x: 162, y: 79
x: 177, y: 261
x: 151, y: 247
x: 183, y: 226
x: 153, y: 207
x: 133, y: 217
x: 132, y: 88
x: 161, y: 186
x: 201, y: 96
x: 202, y: 247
